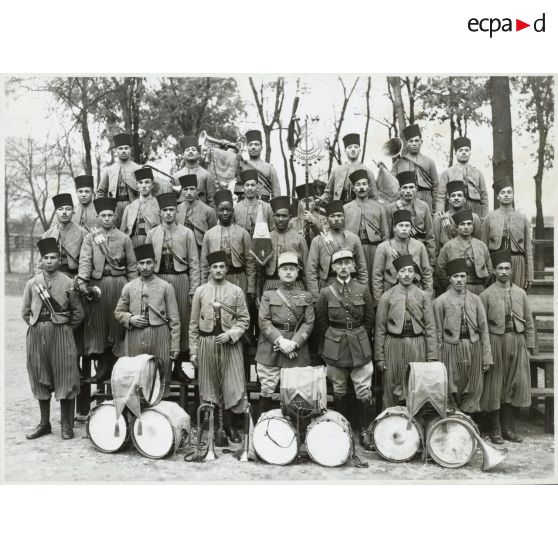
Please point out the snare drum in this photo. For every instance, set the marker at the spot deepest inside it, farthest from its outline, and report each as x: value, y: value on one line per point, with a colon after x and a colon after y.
x: 329, y: 439
x: 163, y: 429
x: 142, y: 374
x: 100, y: 426
x: 396, y: 435
x: 449, y: 442
x: 275, y: 438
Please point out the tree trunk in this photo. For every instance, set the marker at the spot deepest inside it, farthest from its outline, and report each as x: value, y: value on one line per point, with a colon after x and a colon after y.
x: 7, y: 237
x: 369, y: 84
x: 452, y: 137
x: 285, y: 162
x: 395, y: 84
x: 85, y: 127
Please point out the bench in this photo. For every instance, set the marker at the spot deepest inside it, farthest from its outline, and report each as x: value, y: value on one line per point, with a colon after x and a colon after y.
x: 544, y: 363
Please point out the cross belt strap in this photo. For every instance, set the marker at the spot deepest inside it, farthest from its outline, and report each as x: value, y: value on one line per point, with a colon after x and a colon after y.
x: 343, y: 303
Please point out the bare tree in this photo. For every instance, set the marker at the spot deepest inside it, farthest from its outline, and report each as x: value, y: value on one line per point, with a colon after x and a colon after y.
x: 367, y: 97
x: 394, y: 92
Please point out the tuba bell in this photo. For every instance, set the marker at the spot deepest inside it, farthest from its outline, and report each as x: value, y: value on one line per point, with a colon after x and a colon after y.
x: 392, y: 147
x: 205, y: 140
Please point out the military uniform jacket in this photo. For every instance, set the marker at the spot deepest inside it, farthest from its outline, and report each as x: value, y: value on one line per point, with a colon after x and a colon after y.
x: 354, y: 308
x: 246, y: 213
x: 240, y: 252
x: 519, y: 228
x: 235, y: 320
x: 60, y: 287
x: 109, y: 180
x: 383, y: 270
x: 374, y: 214
x: 162, y: 300
x: 339, y: 180
x: 289, y: 241
x: 270, y: 173
x: 72, y: 239
x: 92, y: 258
x: 407, y: 163
x: 448, y: 314
x: 273, y: 315
x: 390, y: 318
x: 319, y: 260
x: 206, y: 183
x: 150, y: 215
x: 472, y: 177
x: 184, y: 245
x: 198, y: 217
x: 445, y: 229
x: 457, y: 248
x: 85, y: 216
x: 494, y: 303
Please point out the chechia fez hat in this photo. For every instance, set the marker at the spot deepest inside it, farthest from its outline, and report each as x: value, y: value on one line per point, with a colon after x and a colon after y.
x: 143, y: 173
x: 459, y: 265
x: 83, y: 181
x: 301, y: 191
x: 335, y: 206
x: 341, y: 255
x: 502, y: 183
x: 222, y: 196
x: 167, y: 199
x: 402, y: 215
x: 48, y: 246
x: 403, y: 261
x: 144, y: 251
x: 455, y: 186
x: 357, y: 175
x: 411, y: 131
x: 188, y: 180
x: 60, y: 200
x: 280, y: 202
x: 287, y: 258
x: 406, y: 177
x: 216, y: 257
x: 253, y: 135
x: 188, y: 141
x: 462, y: 215
x: 351, y: 139
x: 502, y: 256
x: 104, y: 204
x: 461, y: 142
x: 122, y: 139
x: 249, y: 174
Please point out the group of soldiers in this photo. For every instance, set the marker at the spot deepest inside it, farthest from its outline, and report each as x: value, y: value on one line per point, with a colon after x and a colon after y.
x: 168, y: 269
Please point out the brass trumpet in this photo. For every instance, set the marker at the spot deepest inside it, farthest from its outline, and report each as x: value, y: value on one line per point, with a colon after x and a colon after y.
x: 209, y: 455
x: 205, y: 140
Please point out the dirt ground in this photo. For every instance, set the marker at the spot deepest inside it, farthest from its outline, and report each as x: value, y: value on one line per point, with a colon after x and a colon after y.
x: 50, y: 459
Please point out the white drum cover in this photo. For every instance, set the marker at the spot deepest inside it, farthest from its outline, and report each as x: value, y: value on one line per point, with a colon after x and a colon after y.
x: 275, y: 438
x: 449, y: 442
x: 394, y: 437
x: 329, y: 439
x: 101, y: 428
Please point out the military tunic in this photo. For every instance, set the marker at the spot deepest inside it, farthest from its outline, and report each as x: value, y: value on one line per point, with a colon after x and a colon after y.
x: 198, y: 217
x: 246, y: 213
x: 206, y: 183
x: 339, y: 186
x: 139, y: 218
x: 86, y: 216
x: 69, y: 241
x: 445, y: 229
x: 269, y: 186
x: 426, y: 173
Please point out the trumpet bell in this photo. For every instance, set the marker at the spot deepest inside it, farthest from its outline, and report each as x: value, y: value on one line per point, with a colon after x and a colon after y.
x: 492, y: 456
x: 392, y: 148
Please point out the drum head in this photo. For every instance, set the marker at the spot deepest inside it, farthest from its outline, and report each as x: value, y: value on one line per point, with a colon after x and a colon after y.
x: 450, y: 443
x: 275, y: 439
x: 395, y: 438
x: 158, y: 435
x: 100, y: 428
x: 329, y: 440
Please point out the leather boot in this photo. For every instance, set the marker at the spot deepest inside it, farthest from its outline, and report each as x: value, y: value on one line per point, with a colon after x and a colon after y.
x: 264, y: 405
x: 342, y: 404
x: 508, y: 424
x: 66, y: 421
x: 365, y: 412
x: 494, y: 430
x: 104, y: 368
x: 43, y: 427
x: 177, y: 372
x: 232, y: 434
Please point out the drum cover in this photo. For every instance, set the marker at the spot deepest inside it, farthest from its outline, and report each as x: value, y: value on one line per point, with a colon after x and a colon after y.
x: 427, y: 383
x: 396, y: 436
x: 449, y: 442
x: 100, y: 428
x: 275, y: 438
x: 304, y: 389
x: 329, y: 439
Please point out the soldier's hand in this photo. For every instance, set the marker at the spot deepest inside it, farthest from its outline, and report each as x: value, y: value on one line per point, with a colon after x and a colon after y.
x: 319, y: 202
x: 381, y: 366
x: 83, y: 288
x: 194, y: 360
x: 222, y: 339
x: 174, y: 355
x: 486, y: 368
x: 139, y: 321
x: 307, y: 215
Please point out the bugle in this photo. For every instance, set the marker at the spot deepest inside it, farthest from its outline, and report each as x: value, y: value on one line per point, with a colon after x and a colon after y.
x: 196, y: 454
x: 205, y: 140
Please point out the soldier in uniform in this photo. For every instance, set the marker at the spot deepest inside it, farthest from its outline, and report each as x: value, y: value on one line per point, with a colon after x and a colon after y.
x: 204, y: 179
x: 267, y: 175
x: 344, y: 319
x: 286, y: 319
x: 85, y: 215
x: 366, y: 218
x: 423, y: 166
x: 143, y: 213
x: 471, y: 177
x: 308, y: 223
x: 148, y: 310
x: 508, y: 229
x: 118, y: 181
x: 106, y: 261
x: 465, y: 246
x: 192, y: 212
x: 405, y: 331
x: 384, y: 274
x: 52, y: 309
x: 246, y: 211
x: 507, y: 384
x: 177, y: 263
x: 339, y: 186
x: 463, y: 342
x: 319, y: 272
x: 218, y: 321
x: 284, y: 239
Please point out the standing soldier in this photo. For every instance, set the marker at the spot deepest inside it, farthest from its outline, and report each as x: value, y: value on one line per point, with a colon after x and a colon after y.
x: 366, y: 218
x: 384, y: 274
x: 508, y: 229
x: 286, y: 319
x: 405, y: 331
x: 345, y: 318
x: 85, y: 215
x: 267, y: 175
x: 143, y: 213
x: 192, y: 212
x: 219, y: 319
x: 284, y: 239
x: 463, y: 342
x: 339, y: 186
x: 51, y: 309
x: 204, y: 179
x: 177, y: 263
x: 308, y: 223
x: 465, y: 246
x: 246, y: 211
x: 471, y: 177
x: 147, y: 309
x: 118, y: 181
x: 512, y: 339
x: 424, y: 167
x: 106, y: 261
x: 319, y: 273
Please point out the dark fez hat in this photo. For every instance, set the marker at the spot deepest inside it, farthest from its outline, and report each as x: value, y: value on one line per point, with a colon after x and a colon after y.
x: 458, y: 265
x: 403, y: 261
x: 301, y: 191
x: 455, y: 186
x: 462, y: 215
x: 166, y: 200
x: 48, y: 246
x: 461, y: 142
x: 122, y: 139
x: 83, y: 181
x: 402, y: 215
x: 188, y: 180
x: 406, y: 177
x: 188, y: 141
x: 216, y: 257
x: 144, y: 251
x: 351, y: 139
x: 62, y: 199
x: 335, y: 206
x: 502, y: 256
x: 143, y: 173
x: 280, y: 202
x: 222, y: 196
x: 249, y: 174
x: 411, y: 131
x: 501, y: 183
x: 104, y: 204
x: 357, y: 175
x: 253, y: 135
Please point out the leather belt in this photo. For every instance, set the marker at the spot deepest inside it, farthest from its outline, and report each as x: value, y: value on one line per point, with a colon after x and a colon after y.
x: 44, y: 318
x: 208, y: 333
x: 107, y: 273
x: 122, y: 199
x: 464, y: 336
x: 366, y: 242
x: 406, y: 334
x: 345, y: 325
x: 284, y: 326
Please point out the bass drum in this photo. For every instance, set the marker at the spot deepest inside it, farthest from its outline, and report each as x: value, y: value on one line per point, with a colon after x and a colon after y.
x: 448, y: 440
x: 105, y: 432
x: 275, y: 438
x: 396, y: 435
x: 160, y: 430
x: 329, y: 439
